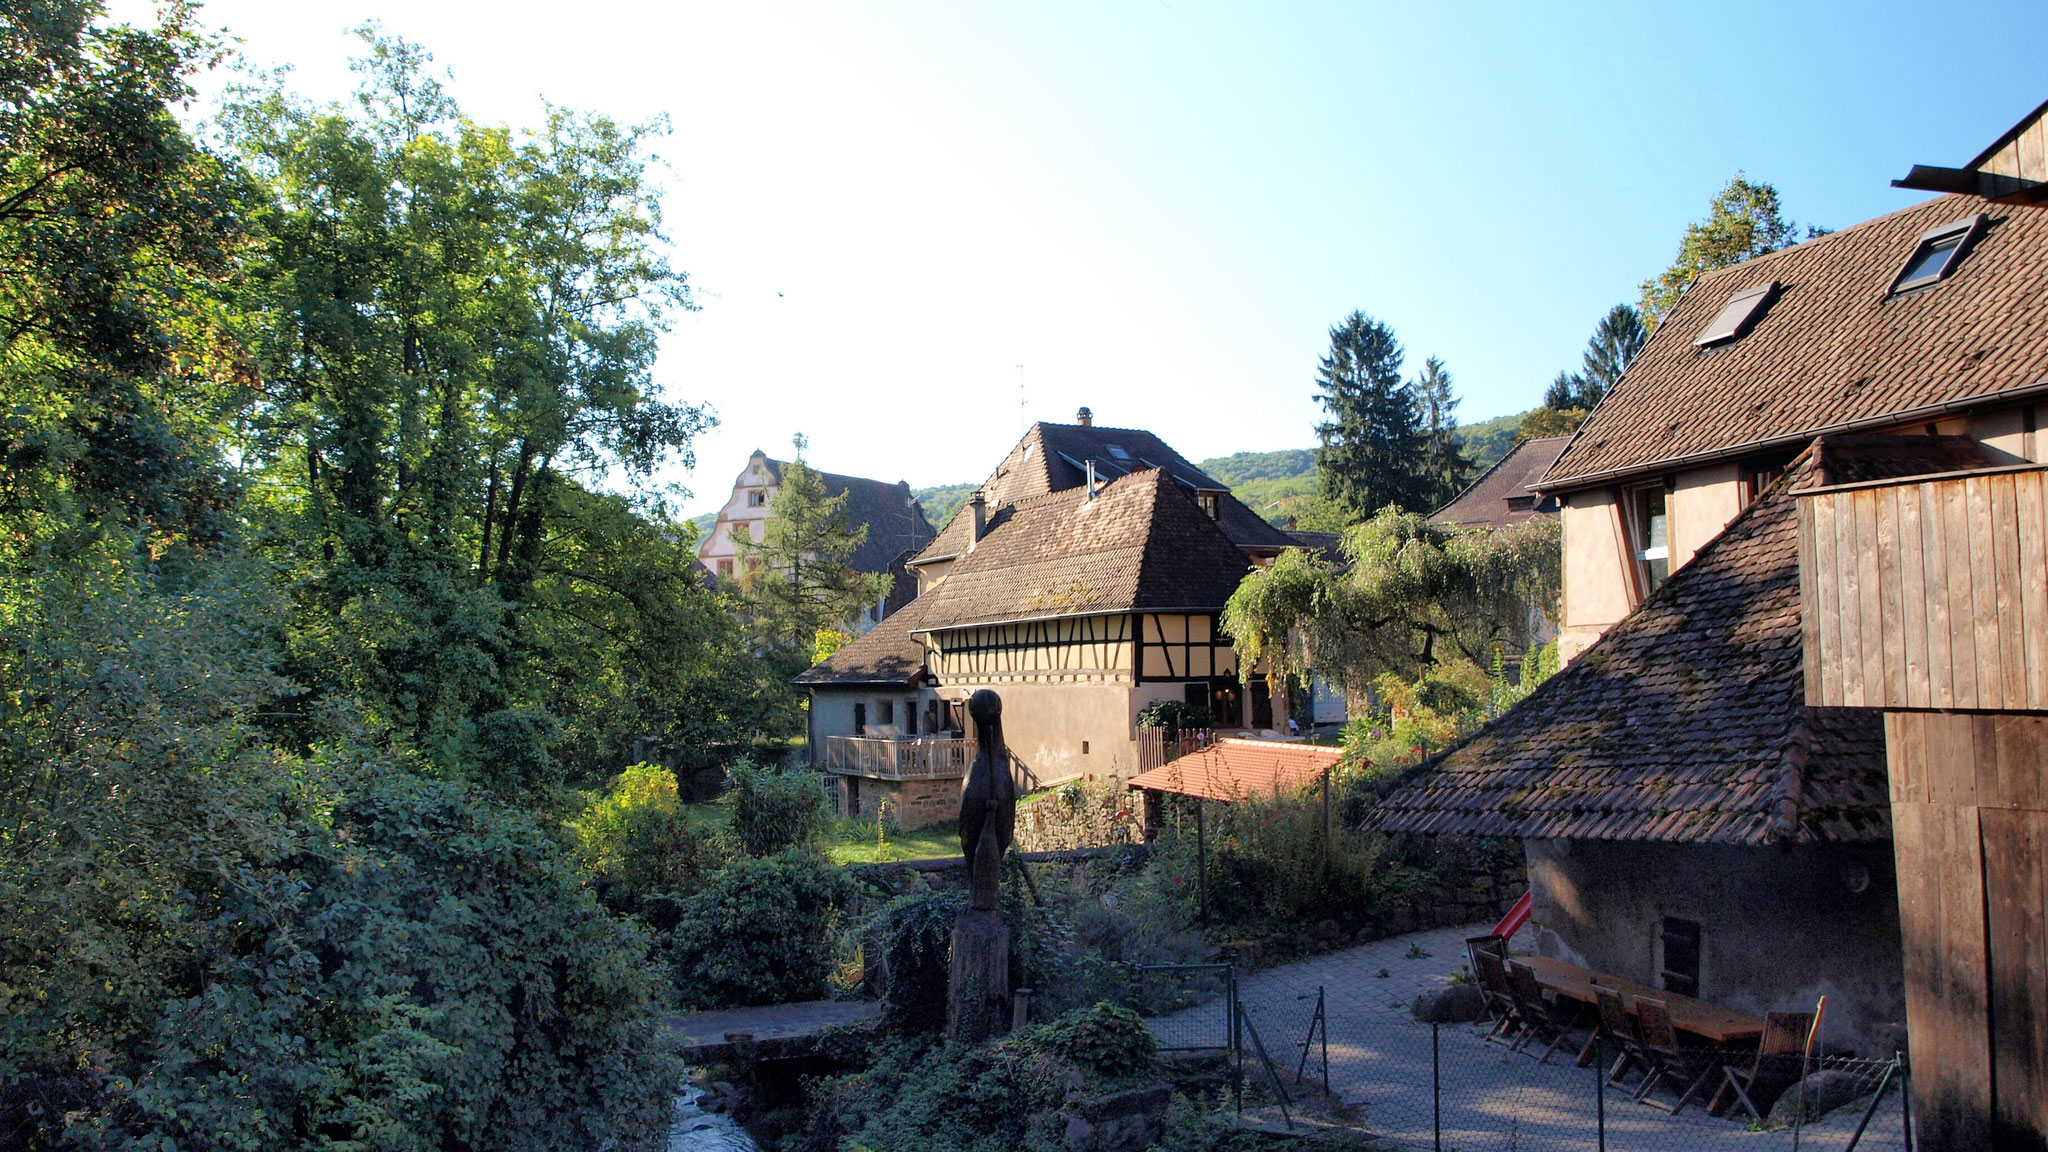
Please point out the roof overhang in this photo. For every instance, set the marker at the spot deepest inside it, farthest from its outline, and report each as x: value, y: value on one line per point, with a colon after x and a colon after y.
x: 997, y: 621
x: 1792, y: 440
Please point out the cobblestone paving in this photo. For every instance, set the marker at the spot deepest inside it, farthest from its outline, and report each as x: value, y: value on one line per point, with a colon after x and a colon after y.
x: 1491, y: 1098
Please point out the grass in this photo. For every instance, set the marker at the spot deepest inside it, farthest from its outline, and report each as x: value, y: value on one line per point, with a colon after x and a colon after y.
x: 853, y: 842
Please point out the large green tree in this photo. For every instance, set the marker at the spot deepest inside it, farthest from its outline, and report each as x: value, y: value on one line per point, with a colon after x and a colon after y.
x: 1616, y: 340
x: 1445, y: 468
x: 1745, y: 219
x: 798, y: 578
x: 1372, y: 445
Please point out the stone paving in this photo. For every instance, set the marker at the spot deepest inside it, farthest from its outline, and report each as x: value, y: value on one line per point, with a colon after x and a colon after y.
x: 775, y: 1028
x: 1491, y: 1098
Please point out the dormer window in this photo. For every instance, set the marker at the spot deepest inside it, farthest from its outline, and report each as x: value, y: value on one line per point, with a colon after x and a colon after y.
x: 1935, y: 256
x: 1210, y: 500
x: 1738, y: 315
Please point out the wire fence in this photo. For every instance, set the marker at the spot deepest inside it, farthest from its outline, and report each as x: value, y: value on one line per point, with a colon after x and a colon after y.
x: 1299, y: 1056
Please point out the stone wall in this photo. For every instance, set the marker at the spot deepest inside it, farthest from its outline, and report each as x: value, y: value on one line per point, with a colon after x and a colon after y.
x: 911, y: 804
x: 1479, y: 898
x: 1080, y: 816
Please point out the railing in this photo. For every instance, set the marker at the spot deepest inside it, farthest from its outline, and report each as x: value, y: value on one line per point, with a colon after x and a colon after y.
x: 912, y: 759
x: 1154, y: 749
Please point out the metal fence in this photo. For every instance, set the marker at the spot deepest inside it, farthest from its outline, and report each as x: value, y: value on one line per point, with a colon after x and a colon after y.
x: 1495, y: 1099
x: 1190, y: 1007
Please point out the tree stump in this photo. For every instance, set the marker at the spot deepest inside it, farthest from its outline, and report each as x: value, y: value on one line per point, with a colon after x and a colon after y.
x: 978, y: 986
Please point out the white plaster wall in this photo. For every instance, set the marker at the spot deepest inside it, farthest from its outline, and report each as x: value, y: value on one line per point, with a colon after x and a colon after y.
x: 717, y: 543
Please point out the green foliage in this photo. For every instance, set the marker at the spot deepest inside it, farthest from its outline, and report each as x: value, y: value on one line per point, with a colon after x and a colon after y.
x: 826, y: 642
x: 941, y: 501
x: 1551, y: 422
x: 1444, y: 468
x: 761, y: 931
x: 775, y: 811
x: 1372, y: 443
x: 1609, y: 351
x: 1242, y: 467
x: 1744, y: 220
x: 805, y: 582
x: 1108, y: 1039
x: 915, y: 935
x: 1176, y: 716
x: 1489, y: 440
x: 638, y: 843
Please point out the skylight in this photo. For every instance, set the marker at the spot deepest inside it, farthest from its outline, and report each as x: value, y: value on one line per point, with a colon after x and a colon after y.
x: 1935, y: 256
x: 1117, y: 450
x: 1736, y: 316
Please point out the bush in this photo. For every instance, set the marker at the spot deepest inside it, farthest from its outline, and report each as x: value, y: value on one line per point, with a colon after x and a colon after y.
x: 915, y: 935
x: 761, y: 932
x: 636, y: 842
x: 773, y: 811
x: 1176, y: 716
x: 1107, y: 1039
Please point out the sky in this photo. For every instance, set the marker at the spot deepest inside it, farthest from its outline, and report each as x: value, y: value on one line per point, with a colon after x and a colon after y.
x: 911, y: 227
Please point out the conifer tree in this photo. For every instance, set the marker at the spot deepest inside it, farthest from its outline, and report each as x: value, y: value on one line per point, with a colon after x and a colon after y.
x: 799, y: 578
x: 1609, y: 351
x: 1445, y: 467
x: 1372, y: 445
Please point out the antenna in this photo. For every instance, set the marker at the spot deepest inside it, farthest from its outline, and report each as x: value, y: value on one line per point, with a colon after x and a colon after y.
x: 1023, y: 420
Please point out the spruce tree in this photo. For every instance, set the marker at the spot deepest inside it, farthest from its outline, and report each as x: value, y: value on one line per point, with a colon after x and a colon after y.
x: 1609, y: 351
x: 799, y: 579
x: 1445, y: 467
x: 1372, y: 445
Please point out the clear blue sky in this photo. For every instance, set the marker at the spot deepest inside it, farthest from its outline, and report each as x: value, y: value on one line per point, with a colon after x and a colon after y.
x: 1160, y: 207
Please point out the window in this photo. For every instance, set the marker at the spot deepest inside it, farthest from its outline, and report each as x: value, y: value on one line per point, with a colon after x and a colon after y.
x: 1211, y: 502
x: 1738, y: 315
x: 1680, y: 968
x: 1652, y: 537
x: 1116, y: 451
x: 860, y: 718
x: 910, y: 717
x: 1935, y: 256
x: 887, y: 711
x: 725, y: 568
x: 757, y: 499
x: 741, y: 532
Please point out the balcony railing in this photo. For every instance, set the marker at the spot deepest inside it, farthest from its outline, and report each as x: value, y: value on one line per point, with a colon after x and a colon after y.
x: 910, y: 759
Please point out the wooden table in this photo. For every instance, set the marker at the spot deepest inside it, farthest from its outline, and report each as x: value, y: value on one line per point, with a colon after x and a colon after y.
x: 1722, y: 1026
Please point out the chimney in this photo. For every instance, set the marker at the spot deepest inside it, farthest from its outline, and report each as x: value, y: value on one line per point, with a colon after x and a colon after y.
x: 978, y: 508
x: 1085, y: 418
x: 1091, y: 473
x: 1291, y: 523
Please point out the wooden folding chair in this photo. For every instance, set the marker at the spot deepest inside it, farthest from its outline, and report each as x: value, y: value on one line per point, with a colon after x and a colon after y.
x: 1540, y: 1019
x: 1773, y: 1068
x: 1500, y: 998
x: 1669, y: 1063
x: 1620, y: 1031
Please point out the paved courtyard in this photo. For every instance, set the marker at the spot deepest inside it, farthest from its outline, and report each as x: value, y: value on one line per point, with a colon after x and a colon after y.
x: 1492, y: 1099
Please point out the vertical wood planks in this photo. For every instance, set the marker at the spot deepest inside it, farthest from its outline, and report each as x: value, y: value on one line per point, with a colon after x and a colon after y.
x: 1912, y: 569
x: 2005, y: 567
x: 1941, y: 905
x: 1984, y: 591
x: 1810, y: 609
x: 1962, y: 611
x: 2031, y: 513
x: 1891, y: 610
x: 1850, y: 639
x: 1934, y: 554
x: 2016, y: 915
x: 1869, y: 598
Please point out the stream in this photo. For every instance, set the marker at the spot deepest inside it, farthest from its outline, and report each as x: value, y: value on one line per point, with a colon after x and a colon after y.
x: 696, y: 1130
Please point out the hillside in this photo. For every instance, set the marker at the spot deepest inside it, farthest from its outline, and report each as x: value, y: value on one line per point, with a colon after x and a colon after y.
x: 940, y: 501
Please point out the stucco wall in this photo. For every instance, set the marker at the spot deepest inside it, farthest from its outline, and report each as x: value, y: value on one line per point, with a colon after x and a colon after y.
x: 1779, y: 927
x: 1046, y: 725
x: 1704, y: 501
x: 1596, y: 590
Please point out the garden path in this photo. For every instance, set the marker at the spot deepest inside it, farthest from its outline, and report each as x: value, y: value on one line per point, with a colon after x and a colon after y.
x: 1492, y: 1099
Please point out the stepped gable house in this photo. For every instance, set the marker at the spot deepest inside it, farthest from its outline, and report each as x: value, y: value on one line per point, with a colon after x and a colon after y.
x: 1693, y: 819
x: 1083, y: 582
x: 897, y: 528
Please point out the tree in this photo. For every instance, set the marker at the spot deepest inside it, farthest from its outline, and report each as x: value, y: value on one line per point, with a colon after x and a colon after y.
x: 1410, y: 595
x: 799, y: 578
x: 1609, y: 351
x: 1744, y: 220
x: 1372, y: 447
x: 1551, y: 422
x: 1445, y: 468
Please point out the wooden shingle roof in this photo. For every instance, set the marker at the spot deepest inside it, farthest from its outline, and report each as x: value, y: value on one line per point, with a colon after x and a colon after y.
x: 1141, y: 545
x: 1833, y: 352
x: 1685, y: 722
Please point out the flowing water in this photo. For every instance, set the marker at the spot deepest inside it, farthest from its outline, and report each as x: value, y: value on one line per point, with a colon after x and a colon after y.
x: 696, y: 1130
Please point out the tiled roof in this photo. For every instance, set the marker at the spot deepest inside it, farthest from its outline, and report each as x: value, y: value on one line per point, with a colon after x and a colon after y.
x: 1140, y: 544
x: 1685, y: 722
x: 1502, y: 495
x: 1241, y: 769
x: 1832, y: 351
x: 897, y: 528
x: 884, y: 654
x: 1053, y: 458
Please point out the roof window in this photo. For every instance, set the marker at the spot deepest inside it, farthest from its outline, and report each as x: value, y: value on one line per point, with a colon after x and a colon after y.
x: 1935, y: 256
x: 1117, y: 450
x: 1737, y: 315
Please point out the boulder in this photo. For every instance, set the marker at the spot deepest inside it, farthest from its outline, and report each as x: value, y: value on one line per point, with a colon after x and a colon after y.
x: 1826, y: 1090
x: 1457, y: 1004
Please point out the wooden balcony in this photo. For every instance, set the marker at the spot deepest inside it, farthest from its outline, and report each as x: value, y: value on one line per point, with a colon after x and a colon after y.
x: 908, y: 759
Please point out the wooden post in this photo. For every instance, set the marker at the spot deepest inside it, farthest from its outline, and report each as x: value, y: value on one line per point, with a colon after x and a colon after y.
x: 978, y: 985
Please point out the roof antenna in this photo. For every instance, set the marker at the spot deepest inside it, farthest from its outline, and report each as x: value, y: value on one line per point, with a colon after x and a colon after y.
x: 1023, y: 421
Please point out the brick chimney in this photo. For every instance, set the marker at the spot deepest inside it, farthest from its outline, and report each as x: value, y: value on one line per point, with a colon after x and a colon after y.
x: 1085, y: 418
x: 978, y: 509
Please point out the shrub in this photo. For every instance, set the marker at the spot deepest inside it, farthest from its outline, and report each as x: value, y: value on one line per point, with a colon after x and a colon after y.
x: 1106, y: 1038
x: 772, y: 811
x: 915, y: 935
x: 1175, y: 716
x: 760, y: 932
x: 636, y: 842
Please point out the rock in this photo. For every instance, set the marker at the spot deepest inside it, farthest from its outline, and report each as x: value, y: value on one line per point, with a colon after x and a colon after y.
x: 1826, y: 1090
x: 1327, y: 930
x: 1457, y: 1004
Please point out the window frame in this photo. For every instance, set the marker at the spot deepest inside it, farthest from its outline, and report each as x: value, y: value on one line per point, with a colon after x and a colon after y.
x: 1639, y: 534
x: 1729, y: 324
x: 1968, y: 229
x: 757, y: 498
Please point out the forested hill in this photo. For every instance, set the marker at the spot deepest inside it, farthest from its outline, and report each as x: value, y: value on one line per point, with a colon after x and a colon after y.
x: 1268, y: 481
